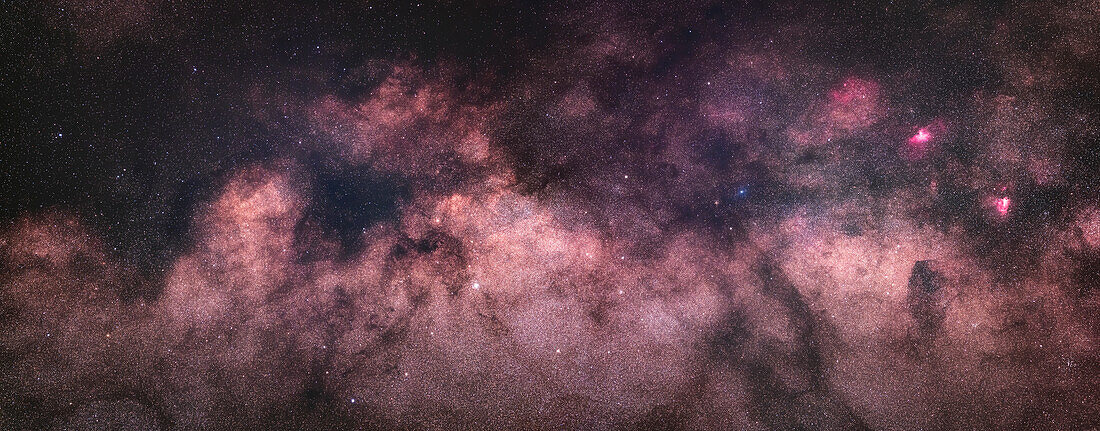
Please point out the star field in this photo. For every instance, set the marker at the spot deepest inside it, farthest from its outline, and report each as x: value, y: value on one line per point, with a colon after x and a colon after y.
x: 574, y: 215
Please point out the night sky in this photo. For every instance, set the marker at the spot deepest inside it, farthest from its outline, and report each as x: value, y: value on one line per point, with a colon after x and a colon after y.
x: 601, y: 216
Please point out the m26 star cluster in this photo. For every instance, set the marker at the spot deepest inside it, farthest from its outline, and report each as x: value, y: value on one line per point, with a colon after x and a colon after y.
x: 568, y: 215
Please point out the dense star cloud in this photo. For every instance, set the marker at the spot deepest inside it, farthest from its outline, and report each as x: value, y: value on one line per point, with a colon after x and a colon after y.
x: 705, y: 215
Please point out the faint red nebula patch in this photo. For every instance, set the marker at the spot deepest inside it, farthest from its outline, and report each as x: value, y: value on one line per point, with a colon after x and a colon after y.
x: 854, y: 91
x: 853, y: 105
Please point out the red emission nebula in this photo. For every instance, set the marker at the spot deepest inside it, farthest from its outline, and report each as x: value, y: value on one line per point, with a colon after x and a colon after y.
x: 489, y: 215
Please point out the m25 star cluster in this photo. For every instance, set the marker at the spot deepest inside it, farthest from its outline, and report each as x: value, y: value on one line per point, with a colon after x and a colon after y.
x: 567, y: 215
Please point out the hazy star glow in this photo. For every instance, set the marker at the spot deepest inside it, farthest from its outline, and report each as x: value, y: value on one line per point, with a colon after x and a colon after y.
x: 700, y: 215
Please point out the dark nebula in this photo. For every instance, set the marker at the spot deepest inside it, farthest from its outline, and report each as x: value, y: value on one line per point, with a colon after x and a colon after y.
x: 600, y: 216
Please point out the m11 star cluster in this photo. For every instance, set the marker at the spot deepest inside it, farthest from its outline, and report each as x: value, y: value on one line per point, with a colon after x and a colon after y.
x: 572, y: 215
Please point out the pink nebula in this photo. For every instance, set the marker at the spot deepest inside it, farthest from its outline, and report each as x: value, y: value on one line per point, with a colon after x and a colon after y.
x: 922, y: 137
x: 1002, y: 205
x: 854, y: 90
x: 921, y: 142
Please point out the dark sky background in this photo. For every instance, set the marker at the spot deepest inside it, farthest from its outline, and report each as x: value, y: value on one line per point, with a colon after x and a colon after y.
x: 485, y: 215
